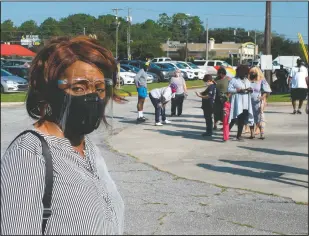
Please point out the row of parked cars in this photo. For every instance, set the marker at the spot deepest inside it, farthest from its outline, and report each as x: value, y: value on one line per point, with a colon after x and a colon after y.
x: 14, y: 72
x: 14, y: 75
x: 158, y: 71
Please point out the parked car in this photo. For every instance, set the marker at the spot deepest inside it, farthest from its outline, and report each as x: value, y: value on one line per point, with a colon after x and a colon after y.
x: 172, y: 69
x: 126, y: 77
x: 134, y: 69
x: 20, y: 71
x: 199, y: 73
x: 11, y: 83
x: 212, y: 66
x: 160, y: 59
x: 176, y: 65
x: 17, y: 62
x: 163, y: 74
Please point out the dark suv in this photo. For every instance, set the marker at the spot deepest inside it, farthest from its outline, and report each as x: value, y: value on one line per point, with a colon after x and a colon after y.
x: 164, y: 75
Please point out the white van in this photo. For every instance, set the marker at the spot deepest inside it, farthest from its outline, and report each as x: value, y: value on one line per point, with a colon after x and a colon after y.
x: 161, y: 59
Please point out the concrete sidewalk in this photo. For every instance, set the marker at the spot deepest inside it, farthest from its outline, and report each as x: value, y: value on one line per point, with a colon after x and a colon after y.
x: 277, y: 165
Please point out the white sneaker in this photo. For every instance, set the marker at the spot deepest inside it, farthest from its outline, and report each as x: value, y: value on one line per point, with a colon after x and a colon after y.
x: 166, y: 122
x: 159, y: 124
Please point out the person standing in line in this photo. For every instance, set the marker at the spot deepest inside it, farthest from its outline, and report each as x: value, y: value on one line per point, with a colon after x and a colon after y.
x: 226, y: 115
x: 241, y: 107
x: 140, y: 81
x: 208, y: 97
x: 177, y: 102
x: 282, y: 75
x: 298, y: 84
x: 222, y: 82
x: 258, y: 99
x: 159, y: 98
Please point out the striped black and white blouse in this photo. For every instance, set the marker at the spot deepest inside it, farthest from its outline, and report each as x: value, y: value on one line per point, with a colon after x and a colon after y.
x: 85, y: 200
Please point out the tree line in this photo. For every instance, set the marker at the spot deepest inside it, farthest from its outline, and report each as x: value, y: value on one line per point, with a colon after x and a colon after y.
x: 146, y: 37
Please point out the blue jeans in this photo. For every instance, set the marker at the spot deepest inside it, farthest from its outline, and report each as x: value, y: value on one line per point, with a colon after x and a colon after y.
x: 158, y: 110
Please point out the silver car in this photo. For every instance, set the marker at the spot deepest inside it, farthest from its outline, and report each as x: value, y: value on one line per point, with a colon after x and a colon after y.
x: 11, y: 83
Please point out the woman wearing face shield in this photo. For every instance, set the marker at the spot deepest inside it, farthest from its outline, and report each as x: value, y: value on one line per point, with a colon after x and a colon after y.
x: 54, y: 179
x: 258, y: 99
x: 241, y: 107
x: 177, y: 102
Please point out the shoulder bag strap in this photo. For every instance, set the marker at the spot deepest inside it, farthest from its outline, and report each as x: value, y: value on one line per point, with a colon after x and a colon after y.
x: 48, y: 177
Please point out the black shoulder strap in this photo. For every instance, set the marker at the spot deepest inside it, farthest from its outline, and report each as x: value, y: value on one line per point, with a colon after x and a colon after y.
x: 48, y: 176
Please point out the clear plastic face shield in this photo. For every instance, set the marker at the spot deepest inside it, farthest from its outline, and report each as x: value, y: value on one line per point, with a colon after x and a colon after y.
x: 87, y: 106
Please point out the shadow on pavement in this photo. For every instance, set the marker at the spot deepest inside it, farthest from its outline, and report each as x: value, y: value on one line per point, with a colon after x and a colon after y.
x: 276, y: 112
x: 188, y: 134
x: 267, y: 175
x: 276, y: 152
x: 268, y: 166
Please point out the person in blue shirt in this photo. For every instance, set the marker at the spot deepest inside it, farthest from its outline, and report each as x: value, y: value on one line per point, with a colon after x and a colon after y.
x: 208, y: 97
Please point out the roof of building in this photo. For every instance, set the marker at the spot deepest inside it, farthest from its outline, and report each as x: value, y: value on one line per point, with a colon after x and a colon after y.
x: 13, y: 49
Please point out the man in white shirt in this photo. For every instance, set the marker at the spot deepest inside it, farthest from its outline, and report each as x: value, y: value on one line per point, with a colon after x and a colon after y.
x: 159, y: 98
x: 298, y: 79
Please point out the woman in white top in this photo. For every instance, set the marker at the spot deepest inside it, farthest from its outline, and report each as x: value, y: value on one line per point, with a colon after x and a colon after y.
x: 298, y: 83
x: 177, y: 101
x: 159, y: 98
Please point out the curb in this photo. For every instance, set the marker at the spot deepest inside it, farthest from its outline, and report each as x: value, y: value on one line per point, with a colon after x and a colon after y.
x: 9, y: 104
x: 135, y: 93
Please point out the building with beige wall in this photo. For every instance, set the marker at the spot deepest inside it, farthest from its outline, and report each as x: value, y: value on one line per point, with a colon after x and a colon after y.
x: 243, y: 51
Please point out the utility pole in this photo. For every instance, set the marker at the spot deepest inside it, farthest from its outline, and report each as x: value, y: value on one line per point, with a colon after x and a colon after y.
x: 267, y: 39
x: 254, y: 53
x: 129, y: 35
x: 187, y: 33
x: 117, y: 26
x: 168, y: 47
x: 207, y: 39
x: 186, y: 42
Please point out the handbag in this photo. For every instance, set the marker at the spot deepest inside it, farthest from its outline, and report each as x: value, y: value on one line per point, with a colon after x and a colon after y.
x: 48, y: 177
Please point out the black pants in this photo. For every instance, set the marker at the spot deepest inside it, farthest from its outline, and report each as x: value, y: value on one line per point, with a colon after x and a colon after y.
x: 208, y: 114
x: 177, y: 102
x: 218, y: 111
x: 241, y: 122
x: 158, y: 110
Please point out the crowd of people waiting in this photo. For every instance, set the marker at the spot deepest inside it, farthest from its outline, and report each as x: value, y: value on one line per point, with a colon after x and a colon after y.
x: 240, y: 100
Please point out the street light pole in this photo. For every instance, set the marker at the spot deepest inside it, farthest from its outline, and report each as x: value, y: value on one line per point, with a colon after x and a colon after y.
x: 207, y: 39
x: 187, y: 33
x: 168, y: 47
x: 129, y: 35
x: 254, y: 53
x: 268, y: 73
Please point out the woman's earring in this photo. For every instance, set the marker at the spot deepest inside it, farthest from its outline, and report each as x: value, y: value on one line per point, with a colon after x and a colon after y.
x: 48, y: 110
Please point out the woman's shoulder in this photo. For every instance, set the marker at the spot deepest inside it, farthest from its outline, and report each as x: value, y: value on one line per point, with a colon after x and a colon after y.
x: 26, y: 142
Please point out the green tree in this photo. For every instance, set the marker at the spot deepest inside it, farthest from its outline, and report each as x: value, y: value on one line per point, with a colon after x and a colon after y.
x: 29, y: 27
x: 8, y: 30
x: 49, y: 28
x: 75, y: 24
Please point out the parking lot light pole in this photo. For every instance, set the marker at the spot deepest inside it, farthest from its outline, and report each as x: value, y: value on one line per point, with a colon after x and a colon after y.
x: 187, y: 33
x: 168, y: 47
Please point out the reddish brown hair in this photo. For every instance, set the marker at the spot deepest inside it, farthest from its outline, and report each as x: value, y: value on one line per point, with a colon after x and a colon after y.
x: 51, y: 62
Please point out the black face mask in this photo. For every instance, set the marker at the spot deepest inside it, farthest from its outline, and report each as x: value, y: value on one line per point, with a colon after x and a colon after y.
x: 83, y: 116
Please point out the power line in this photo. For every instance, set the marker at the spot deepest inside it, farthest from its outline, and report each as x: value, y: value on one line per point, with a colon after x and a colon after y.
x: 233, y: 15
